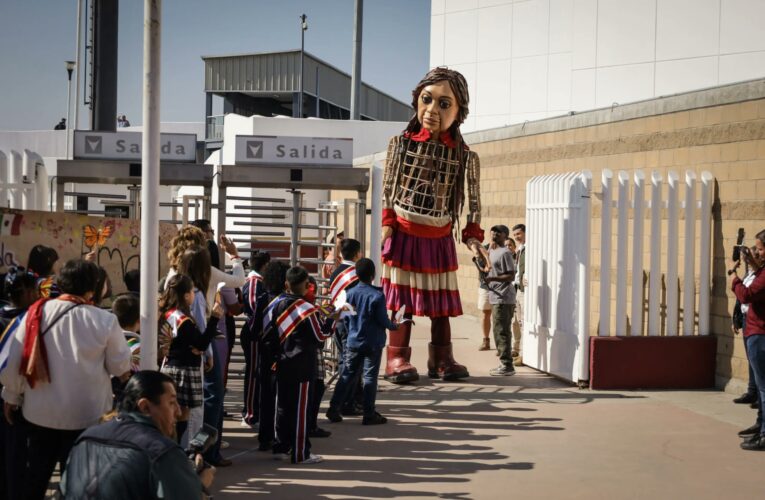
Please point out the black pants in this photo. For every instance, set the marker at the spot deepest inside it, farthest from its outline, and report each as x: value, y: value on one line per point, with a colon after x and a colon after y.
x: 46, y: 448
x: 266, y: 398
x: 13, y: 456
x: 317, y: 393
x: 231, y: 338
x: 250, y: 409
x: 292, y: 417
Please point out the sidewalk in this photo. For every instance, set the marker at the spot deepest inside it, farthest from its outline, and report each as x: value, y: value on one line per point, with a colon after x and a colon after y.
x: 528, y: 436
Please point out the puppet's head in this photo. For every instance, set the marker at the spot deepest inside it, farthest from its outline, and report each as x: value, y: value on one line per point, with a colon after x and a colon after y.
x: 440, y: 102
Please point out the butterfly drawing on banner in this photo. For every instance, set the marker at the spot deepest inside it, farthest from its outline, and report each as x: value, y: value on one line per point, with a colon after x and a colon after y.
x: 97, y: 237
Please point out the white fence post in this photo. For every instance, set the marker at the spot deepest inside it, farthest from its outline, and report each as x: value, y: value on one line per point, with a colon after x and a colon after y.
x: 621, y: 255
x: 707, y: 186
x: 637, y: 255
x: 672, y: 245
x: 583, y: 275
x: 604, y: 325
x: 689, y: 270
x: 654, y: 283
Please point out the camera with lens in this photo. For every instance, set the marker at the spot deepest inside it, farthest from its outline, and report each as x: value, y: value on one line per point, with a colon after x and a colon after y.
x: 201, y: 442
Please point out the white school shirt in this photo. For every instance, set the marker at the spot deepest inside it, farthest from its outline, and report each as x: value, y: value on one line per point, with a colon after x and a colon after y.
x: 85, y: 347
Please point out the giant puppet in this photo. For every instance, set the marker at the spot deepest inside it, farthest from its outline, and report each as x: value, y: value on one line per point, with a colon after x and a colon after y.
x: 427, y: 171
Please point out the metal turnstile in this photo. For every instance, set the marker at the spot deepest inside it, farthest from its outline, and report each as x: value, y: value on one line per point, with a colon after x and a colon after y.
x: 269, y: 223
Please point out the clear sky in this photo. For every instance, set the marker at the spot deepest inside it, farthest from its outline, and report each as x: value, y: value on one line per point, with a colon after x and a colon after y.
x: 37, y: 36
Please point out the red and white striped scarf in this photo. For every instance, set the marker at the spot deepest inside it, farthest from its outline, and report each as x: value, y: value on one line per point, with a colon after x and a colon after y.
x: 342, y: 281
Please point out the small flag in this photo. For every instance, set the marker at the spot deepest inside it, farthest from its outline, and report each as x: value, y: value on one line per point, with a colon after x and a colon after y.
x: 5, y: 340
x: 10, y: 224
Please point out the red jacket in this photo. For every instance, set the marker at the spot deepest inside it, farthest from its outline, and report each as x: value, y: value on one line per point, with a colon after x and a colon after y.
x: 754, y: 295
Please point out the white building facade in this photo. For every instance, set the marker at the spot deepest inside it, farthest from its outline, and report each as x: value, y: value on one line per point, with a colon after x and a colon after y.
x: 530, y: 59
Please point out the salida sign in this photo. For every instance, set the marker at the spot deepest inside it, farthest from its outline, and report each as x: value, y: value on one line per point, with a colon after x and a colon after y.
x: 281, y: 150
x: 127, y: 146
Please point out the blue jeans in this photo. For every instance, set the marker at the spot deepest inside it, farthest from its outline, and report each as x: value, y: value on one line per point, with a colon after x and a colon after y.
x: 365, y: 358
x: 755, y: 350
x: 354, y: 395
x: 751, y: 387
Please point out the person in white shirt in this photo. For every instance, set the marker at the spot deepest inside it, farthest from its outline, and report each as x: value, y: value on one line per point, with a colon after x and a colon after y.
x: 59, y: 367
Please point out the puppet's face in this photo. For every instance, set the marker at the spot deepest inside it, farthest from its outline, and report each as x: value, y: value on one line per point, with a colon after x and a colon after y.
x: 437, y: 107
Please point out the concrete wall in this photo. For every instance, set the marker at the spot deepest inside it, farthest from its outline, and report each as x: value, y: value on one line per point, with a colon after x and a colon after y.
x: 721, y: 130
x: 530, y: 59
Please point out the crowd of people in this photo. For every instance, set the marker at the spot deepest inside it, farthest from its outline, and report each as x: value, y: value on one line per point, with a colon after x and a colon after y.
x: 502, y: 281
x: 74, y: 396
x: 73, y: 393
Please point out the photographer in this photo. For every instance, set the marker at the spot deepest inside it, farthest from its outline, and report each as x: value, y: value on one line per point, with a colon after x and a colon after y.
x: 135, y: 455
x: 754, y: 334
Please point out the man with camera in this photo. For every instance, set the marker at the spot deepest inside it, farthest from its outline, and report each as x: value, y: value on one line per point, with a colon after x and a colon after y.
x: 135, y: 455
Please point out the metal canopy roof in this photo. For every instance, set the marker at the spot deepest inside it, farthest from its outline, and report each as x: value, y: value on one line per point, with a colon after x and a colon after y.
x: 267, y: 74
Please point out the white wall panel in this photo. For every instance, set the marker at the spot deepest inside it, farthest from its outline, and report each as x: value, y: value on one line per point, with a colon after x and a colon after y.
x: 626, y: 31
x: 491, y: 3
x: 585, y: 31
x: 582, y: 89
x: 494, y: 33
x: 687, y: 28
x: 549, y: 57
x: 738, y: 67
x: 559, y: 82
x: 458, y: 5
x: 461, y: 30
x: 528, y: 88
x: 530, y: 25
x: 469, y: 72
x: 491, y: 121
x: 561, y: 25
x: 678, y: 76
x: 623, y: 84
x: 492, y: 88
x: 742, y: 26
x: 436, y: 41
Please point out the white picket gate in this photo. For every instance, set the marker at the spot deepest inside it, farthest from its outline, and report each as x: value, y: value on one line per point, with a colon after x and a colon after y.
x: 558, y: 246
x: 694, y: 211
x: 556, y: 322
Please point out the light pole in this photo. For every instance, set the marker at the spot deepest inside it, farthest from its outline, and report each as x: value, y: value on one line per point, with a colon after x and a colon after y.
x: 69, y: 70
x: 303, y: 28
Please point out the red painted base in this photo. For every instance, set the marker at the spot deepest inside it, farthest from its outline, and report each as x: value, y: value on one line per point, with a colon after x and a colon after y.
x: 652, y: 362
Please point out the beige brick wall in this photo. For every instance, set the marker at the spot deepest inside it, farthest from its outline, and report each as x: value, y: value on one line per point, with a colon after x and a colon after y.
x: 727, y: 140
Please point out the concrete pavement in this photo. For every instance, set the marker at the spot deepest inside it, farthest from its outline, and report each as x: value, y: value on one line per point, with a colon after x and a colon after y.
x: 527, y: 436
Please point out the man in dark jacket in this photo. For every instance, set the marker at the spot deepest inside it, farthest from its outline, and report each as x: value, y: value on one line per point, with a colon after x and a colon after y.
x: 135, y: 455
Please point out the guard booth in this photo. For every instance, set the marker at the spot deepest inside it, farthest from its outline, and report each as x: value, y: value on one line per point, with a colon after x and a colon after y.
x: 115, y: 158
